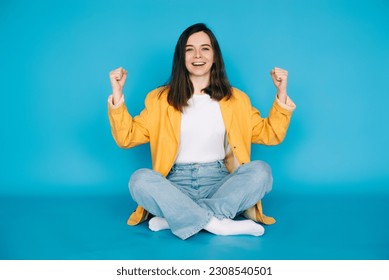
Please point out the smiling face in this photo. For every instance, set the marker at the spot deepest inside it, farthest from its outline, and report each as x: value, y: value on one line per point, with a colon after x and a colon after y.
x: 199, y: 55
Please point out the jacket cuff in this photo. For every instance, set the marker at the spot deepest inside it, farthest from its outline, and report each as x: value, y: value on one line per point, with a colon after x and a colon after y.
x: 289, y: 105
x: 115, y: 106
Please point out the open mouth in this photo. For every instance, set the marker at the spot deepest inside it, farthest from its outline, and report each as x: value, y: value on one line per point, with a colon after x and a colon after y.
x: 198, y: 63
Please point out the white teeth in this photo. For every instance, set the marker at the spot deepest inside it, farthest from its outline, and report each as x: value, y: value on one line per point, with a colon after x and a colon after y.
x: 198, y: 63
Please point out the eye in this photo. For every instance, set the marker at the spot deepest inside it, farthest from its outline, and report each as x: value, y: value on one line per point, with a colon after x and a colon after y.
x: 205, y: 49
x: 189, y: 49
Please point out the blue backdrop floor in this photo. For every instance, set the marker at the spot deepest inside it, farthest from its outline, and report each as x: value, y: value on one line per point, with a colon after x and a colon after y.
x: 94, y: 227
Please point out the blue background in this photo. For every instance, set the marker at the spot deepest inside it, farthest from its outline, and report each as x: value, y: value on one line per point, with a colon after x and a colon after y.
x: 64, y: 181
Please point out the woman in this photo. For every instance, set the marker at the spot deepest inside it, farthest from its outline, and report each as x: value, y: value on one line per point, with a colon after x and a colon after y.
x: 200, y: 131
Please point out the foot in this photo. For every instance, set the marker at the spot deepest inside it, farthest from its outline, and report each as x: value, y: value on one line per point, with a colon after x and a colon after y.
x: 231, y: 227
x: 158, y: 223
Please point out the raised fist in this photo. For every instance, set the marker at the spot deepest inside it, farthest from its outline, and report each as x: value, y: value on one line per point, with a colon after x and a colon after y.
x: 118, y: 79
x: 280, y: 78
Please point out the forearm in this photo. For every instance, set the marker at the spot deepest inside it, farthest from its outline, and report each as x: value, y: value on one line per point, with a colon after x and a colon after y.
x: 121, y: 124
x: 272, y: 130
x: 282, y: 96
x: 126, y: 130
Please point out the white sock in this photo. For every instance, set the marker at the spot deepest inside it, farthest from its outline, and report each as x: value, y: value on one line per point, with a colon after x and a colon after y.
x: 158, y: 223
x: 231, y: 227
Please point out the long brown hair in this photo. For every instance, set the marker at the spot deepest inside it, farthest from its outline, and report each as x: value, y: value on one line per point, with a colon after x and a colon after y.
x: 180, y: 86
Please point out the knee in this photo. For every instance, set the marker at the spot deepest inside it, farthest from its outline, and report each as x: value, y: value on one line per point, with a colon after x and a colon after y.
x: 137, y: 181
x: 261, y: 167
x: 261, y: 173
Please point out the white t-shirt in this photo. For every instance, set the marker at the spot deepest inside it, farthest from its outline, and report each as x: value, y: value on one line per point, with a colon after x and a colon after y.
x: 202, y: 131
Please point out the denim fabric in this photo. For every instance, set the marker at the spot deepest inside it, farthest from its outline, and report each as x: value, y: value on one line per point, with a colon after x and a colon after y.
x: 192, y: 193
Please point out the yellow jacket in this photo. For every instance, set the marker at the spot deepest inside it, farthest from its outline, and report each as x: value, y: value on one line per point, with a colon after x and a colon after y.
x: 159, y: 123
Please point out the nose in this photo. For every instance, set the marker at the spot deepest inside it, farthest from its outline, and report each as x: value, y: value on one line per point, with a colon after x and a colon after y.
x: 197, y: 54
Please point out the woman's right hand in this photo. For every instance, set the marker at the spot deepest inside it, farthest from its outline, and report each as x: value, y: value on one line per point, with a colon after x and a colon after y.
x: 118, y: 79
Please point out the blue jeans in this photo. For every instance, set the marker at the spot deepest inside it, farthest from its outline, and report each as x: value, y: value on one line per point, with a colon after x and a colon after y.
x: 192, y: 193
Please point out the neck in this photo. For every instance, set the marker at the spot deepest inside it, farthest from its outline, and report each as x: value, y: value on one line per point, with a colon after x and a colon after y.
x: 199, y: 83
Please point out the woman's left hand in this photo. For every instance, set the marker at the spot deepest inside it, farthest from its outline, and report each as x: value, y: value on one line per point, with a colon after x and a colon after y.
x: 280, y: 80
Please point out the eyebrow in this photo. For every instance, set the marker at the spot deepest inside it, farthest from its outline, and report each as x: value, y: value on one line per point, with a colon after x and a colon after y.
x: 200, y: 45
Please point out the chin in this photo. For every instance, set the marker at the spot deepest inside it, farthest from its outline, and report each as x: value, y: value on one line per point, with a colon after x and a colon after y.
x: 199, y: 73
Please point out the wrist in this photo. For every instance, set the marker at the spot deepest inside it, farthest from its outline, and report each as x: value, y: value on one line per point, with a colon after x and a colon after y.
x: 116, y: 97
x: 282, y: 96
x: 117, y: 92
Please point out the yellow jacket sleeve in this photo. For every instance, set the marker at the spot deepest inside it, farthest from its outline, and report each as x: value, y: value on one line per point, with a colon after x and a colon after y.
x: 271, y: 130
x: 129, y: 131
